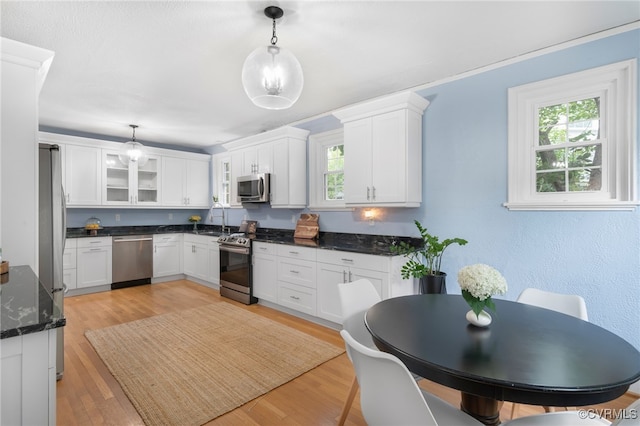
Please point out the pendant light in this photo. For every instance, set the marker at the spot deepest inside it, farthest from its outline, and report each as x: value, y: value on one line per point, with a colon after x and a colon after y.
x: 132, y: 151
x: 271, y: 75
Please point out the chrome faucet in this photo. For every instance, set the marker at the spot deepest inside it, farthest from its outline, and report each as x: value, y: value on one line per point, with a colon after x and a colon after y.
x: 212, y: 215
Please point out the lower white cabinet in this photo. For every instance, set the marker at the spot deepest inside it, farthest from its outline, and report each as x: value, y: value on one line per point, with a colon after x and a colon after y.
x: 297, y: 278
x: 265, y: 269
x: 28, y: 381
x: 69, y: 264
x: 214, y: 260
x: 196, y: 256
x: 167, y: 255
x: 93, y: 261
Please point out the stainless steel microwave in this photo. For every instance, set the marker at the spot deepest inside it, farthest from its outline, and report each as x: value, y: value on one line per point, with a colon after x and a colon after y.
x: 254, y: 188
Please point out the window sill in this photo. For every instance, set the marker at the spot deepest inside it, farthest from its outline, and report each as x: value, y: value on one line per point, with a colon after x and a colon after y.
x: 574, y: 206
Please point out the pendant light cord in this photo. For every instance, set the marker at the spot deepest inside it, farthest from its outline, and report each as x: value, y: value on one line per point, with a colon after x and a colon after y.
x: 274, y: 38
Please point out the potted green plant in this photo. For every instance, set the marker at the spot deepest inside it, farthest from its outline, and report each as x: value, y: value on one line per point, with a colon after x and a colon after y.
x: 425, y: 260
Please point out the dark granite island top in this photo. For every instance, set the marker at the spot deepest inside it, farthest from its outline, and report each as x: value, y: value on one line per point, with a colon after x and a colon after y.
x: 25, y: 304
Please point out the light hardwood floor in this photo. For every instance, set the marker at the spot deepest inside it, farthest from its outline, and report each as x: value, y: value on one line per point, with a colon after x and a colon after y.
x: 89, y: 395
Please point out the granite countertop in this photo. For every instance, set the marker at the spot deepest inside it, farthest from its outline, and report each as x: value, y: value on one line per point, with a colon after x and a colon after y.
x: 25, y: 304
x: 356, y: 243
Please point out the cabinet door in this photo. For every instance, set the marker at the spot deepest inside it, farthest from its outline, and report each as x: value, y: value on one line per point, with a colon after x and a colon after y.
x: 214, y: 264
x: 378, y: 279
x: 116, y: 180
x: 329, y: 276
x: 196, y: 260
x: 264, y: 158
x: 197, y: 183
x: 166, y: 258
x: 93, y: 266
x: 147, y: 183
x: 265, y: 282
x: 389, y: 158
x: 173, y: 178
x: 83, y: 175
x: 69, y: 278
x: 357, y: 161
x: 236, y: 171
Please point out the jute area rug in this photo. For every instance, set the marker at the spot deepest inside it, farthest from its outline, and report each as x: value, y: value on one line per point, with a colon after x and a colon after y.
x: 188, y: 367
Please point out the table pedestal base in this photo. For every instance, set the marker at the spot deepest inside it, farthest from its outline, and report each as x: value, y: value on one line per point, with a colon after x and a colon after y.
x: 486, y: 410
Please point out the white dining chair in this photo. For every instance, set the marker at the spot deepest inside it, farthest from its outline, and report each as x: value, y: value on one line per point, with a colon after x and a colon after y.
x: 355, y: 298
x: 570, y: 304
x: 389, y: 395
x: 630, y: 416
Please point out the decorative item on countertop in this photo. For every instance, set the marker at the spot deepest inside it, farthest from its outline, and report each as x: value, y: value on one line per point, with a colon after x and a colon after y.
x: 425, y: 260
x: 307, y: 226
x: 195, y: 219
x: 92, y: 225
x: 478, y: 283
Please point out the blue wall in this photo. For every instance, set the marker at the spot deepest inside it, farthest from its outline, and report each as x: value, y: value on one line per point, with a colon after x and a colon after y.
x: 595, y: 254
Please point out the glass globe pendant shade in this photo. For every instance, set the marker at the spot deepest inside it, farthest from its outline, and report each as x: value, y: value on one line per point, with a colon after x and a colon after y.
x: 272, y: 77
x: 133, y: 152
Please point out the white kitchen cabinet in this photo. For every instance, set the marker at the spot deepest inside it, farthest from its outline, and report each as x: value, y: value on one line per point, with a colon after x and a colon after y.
x: 289, y: 178
x: 69, y: 264
x: 83, y: 177
x: 297, y: 278
x: 265, y: 270
x: 383, y: 151
x: 93, y: 261
x: 196, y: 256
x: 185, y: 182
x: 130, y: 184
x: 214, y: 260
x: 167, y: 255
x: 28, y: 365
x: 281, y: 152
x: 336, y: 267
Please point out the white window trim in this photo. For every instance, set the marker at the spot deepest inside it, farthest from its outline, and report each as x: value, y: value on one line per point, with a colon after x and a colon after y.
x: 318, y: 143
x: 617, y: 84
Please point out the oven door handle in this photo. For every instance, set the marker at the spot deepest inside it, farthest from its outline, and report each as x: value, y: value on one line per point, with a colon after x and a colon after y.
x: 238, y: 250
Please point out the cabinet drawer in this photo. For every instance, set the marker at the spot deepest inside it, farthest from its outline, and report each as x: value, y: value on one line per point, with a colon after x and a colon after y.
x: 70, y: 243
x: 300, y: 272
x: 301, y: 299
x: 167, y: 238
x: 357, y: 260
x: 295, y: 252
x: 264, y: 248
x: 94, y: 242
x: 193, y: 238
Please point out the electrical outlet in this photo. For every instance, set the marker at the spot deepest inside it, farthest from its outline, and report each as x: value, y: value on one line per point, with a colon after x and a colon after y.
x: 117, y: 217
x: 170, y: 216
x: 293, y: 218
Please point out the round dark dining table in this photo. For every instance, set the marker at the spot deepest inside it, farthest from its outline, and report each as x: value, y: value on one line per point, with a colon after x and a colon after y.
x: 527, y: 355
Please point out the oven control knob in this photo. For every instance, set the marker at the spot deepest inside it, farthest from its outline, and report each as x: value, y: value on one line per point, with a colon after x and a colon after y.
x: 242, y: 241
x: 222, y: 239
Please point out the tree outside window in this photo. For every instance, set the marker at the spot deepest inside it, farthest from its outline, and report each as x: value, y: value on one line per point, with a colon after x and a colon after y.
x: 334, y: 173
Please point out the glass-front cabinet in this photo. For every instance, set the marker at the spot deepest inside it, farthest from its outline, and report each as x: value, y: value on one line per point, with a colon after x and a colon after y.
x: 128, y: 184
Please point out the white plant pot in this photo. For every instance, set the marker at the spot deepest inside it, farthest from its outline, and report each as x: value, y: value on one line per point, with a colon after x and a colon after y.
x: 482, y: 320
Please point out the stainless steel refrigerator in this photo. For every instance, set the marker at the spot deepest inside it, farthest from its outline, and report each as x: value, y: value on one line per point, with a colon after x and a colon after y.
x: 52, y: 232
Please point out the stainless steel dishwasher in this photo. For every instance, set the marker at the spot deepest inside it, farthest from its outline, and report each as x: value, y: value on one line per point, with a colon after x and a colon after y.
x: 132, y: 260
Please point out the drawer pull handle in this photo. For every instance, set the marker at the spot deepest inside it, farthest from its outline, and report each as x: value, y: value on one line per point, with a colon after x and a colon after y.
x: 344, y: 259
x: 294, y: 271
x: 295, y: 297
x: 294, y: 252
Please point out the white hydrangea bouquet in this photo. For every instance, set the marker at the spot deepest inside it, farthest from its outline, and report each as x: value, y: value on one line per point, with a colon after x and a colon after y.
x: 478, y: 283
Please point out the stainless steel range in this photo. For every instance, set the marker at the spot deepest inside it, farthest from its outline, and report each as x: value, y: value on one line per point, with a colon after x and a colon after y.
x: 235, y: 268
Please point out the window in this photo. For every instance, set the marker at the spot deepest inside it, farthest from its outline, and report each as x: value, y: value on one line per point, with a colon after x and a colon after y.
x: 572, y: 141
x: 225, y: 182
x: 326, y: 170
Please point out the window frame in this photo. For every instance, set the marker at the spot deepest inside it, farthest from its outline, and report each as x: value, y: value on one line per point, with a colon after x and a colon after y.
x: 318, y: 143
x: 616, y: 85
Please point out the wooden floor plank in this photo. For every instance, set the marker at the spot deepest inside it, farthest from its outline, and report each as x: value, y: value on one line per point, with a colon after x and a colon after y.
x: 89, y: 395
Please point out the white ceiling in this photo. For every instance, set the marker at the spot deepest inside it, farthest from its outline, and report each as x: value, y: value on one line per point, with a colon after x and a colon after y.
x: 173, y: 67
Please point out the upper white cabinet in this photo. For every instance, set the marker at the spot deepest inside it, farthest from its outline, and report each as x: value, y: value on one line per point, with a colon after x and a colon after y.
x: 383, y: 151
x: 83, y: 179
x: 185, y: 182
x: 281, y: 152
x: 128, y: 183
